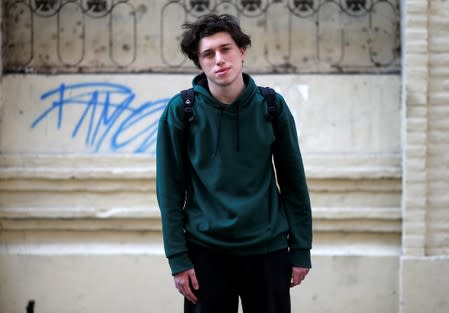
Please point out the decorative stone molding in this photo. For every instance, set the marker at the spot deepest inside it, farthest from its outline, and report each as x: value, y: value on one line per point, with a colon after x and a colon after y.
x: 97, y: 193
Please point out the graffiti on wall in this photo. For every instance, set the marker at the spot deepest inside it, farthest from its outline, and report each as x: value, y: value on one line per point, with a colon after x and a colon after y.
x: 104, y: 114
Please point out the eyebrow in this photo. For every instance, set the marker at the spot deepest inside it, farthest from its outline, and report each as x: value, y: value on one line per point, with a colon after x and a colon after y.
x: 220, y: 46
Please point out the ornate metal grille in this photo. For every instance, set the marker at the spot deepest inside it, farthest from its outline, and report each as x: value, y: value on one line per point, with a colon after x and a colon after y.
x: 312, y: 36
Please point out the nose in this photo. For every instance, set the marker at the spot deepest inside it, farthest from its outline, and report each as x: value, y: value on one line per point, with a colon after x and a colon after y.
x: 218, y: 58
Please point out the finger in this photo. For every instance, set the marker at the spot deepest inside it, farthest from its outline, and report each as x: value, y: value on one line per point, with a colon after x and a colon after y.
x: 296, y: 279
x: 194, y: 281
x: 190, y: 295
x: 298, y: 275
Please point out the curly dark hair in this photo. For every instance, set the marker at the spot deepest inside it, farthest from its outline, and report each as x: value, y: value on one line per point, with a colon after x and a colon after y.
x: 208, y: 25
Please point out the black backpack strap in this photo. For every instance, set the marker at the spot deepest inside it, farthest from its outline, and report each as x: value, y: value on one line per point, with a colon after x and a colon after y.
x: 270, y: 96
x: 188, y: 97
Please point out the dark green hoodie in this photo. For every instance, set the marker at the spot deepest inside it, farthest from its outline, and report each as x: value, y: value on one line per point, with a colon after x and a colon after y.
x: 217, y: 186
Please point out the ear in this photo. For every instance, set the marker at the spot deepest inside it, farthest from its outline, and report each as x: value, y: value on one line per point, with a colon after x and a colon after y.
x: 243, y: 52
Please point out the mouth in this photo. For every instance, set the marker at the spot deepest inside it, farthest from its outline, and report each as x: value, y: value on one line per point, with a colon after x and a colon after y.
x: 222, y: 71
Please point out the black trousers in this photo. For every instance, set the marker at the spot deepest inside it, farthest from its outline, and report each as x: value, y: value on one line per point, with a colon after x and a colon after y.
x: 262, y: 282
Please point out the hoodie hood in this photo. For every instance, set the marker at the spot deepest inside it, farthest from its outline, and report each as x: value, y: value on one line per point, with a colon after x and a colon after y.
x: 200, y: 86
x: 232, y: 110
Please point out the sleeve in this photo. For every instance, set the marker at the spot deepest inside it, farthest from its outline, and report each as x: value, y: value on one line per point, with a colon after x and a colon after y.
x: 293, y: 186
x: 171, y: 185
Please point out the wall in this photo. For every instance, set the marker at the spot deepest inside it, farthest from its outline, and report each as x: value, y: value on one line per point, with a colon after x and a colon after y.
x: 79, y: 224
x: 78, y: 209
x: 425, y: 240
x: 140, y: 36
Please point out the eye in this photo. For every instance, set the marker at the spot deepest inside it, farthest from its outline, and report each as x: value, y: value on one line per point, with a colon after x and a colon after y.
x: 208, y: 54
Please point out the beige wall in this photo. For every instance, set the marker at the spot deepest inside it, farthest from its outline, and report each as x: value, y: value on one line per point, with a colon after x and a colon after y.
x: 87, y: 213
x: 79, y: 224
x: 425, y: 241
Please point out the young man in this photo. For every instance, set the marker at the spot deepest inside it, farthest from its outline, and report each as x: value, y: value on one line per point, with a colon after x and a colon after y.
x: 229, y: 232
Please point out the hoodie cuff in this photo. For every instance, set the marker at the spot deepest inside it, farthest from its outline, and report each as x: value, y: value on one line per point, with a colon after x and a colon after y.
x: 179, y: 263
x: 300, y: 258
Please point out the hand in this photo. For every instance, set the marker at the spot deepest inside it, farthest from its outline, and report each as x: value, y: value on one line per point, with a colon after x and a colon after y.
x: 298, y: 275
x: 183, y: 282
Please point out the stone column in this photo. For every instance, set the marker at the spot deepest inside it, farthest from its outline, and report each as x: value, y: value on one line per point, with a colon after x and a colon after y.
x: 425, y: 240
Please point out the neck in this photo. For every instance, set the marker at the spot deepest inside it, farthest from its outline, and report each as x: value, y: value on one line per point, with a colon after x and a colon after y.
x: 227, y: 94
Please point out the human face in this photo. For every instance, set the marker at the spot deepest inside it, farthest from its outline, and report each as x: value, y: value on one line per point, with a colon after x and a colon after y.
x: 221, y: 59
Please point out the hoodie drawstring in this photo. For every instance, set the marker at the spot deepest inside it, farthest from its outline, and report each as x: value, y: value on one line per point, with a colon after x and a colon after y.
x: 238, y: 128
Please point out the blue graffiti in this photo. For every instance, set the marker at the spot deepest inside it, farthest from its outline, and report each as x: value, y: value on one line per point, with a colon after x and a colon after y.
x: 107, y: 113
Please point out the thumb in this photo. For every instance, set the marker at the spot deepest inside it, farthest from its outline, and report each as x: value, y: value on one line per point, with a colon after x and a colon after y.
x: 193, y: 279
